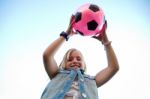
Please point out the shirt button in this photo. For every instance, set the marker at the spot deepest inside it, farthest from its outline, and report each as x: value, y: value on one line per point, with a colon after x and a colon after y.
x: 84, y: 95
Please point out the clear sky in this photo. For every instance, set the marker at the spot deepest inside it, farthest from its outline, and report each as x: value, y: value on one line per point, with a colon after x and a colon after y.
x: 27, y: 27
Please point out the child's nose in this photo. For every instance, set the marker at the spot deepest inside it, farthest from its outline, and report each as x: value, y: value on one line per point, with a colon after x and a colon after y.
x: 75, y: 60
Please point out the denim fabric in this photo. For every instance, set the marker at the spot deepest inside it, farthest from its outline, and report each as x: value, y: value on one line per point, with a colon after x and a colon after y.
x: 58, y: 86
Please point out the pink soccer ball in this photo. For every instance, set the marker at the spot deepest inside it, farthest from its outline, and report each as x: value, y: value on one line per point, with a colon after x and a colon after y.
x: 89, y: 19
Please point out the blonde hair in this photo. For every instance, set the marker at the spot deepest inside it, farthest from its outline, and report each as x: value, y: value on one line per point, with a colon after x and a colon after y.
x: 66, y: 56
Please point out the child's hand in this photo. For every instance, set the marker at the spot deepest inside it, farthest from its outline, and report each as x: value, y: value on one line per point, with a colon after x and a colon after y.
x: 101, y: 35
x: 70, y: 29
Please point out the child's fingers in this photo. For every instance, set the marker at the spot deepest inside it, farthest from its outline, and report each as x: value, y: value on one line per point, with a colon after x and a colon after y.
x: 98, y: 36
x: 72, y: 20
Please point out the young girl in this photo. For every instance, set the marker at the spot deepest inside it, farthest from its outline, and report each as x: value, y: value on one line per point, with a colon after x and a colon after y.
x: 68, y: 80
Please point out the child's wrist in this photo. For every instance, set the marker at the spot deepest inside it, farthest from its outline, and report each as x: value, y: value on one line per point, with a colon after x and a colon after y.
x: 107, y: 43
x: 65, y: 35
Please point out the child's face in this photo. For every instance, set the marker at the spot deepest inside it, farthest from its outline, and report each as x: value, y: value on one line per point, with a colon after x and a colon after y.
x: 75, y: 60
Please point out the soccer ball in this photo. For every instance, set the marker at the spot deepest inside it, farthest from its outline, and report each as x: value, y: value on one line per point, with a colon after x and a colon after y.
x: 89, y: 19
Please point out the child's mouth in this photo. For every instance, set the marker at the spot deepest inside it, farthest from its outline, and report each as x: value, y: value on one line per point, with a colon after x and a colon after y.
x: 75, y: 66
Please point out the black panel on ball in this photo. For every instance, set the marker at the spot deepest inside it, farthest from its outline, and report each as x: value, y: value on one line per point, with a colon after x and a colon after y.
x: 92, y: 25
x: 77, y: 16
x: 80, y: 32
x: 94, y: 8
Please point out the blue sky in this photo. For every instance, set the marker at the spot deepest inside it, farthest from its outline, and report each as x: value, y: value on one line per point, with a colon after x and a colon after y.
x: 27, y: 27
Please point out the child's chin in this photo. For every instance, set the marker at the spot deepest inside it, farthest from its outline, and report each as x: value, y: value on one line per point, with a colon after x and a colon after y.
x: 75, y: 67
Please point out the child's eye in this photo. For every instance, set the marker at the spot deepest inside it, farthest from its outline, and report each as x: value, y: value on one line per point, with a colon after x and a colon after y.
x: 79, y: 59
x: 70, y: 59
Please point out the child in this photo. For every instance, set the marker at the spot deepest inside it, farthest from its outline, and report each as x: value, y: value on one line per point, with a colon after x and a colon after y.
x: 68, y: 80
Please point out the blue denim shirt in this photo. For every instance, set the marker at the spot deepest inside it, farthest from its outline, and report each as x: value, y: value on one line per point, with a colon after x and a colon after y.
x: 58, y: 86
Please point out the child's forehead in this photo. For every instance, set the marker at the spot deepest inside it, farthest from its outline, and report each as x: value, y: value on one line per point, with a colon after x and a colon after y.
x: 75, y: 52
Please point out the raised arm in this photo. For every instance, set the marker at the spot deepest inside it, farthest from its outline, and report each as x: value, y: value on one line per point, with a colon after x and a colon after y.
x: 48, y: 55
x: 107, y: 73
